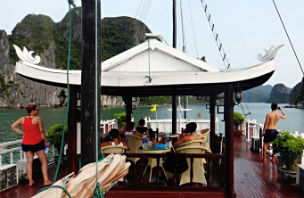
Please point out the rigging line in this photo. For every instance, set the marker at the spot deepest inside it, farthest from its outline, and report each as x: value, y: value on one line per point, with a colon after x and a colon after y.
x: 294, y: 51
x: 215, y: 35
x: 71, y: 4
x: 138, y: 9
x: 192, y: 27
x: 248, y: 111
x: 96, y: 88
x: 143, y: 9
x: 146, y: 13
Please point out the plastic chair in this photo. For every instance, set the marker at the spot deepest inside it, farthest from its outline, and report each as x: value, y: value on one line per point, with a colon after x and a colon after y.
x: 205, y: 135
x: 134, y: 142
x: 197, y: 166
x: 192, y: 143
x: 113, y: 149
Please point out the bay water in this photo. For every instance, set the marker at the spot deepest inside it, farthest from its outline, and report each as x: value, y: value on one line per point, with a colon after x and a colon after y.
x: 294, y: 121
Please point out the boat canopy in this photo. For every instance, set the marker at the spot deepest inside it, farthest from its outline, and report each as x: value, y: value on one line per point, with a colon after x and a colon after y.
x: 153, y: 68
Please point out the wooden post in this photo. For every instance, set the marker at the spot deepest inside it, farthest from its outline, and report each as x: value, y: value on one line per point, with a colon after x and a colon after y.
x: 88, y: 87
x: 72, y: 131
x: 173, y: 114
x: 229, y: 152
x: 128, y: 102
x: 212, y: 119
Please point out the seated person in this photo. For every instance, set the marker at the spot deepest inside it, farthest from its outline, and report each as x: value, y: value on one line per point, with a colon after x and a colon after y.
x: 113, y: 139
x: 189, y: 134
x: 141, y: 128
x: 130, y: 131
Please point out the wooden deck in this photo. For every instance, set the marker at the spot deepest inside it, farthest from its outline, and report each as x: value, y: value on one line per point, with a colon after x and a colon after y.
x: 252, y: 179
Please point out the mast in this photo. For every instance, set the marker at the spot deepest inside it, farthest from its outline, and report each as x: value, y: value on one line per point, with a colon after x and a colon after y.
x: 88, y: 81
x: 184, y: 49
x: 174, y: 96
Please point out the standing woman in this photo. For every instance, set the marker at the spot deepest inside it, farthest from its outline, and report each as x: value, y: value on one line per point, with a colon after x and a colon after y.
x: 32, y: 142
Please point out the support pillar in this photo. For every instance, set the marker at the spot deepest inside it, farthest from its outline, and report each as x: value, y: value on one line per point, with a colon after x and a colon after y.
x: 212, y: 105
x: 89, y: 89
x: 72, y: 131
x: 128, y: 102
x: 229, y: 152
x: 173, y: 114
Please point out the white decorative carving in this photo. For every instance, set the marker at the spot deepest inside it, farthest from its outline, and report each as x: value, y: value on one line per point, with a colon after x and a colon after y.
x: 269, y: 54
x: 26, y: 56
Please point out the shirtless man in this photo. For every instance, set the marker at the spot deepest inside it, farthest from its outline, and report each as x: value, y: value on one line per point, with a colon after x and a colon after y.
x: 270, y: 128
x: 189, y: 134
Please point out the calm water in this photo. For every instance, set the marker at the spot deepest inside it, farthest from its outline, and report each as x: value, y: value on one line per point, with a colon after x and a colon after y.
x: 294, y: 121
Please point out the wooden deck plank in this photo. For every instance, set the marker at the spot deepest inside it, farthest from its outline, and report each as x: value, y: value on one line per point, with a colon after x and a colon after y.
x: 252, y: 178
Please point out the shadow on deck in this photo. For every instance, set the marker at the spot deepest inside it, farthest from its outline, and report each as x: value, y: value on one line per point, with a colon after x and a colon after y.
x: 252, y: 179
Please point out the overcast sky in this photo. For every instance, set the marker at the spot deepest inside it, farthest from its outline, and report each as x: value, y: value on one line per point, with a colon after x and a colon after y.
x: 245, y: 27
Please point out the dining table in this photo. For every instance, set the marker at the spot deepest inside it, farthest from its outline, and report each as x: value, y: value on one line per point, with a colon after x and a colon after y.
x: 155, y: 162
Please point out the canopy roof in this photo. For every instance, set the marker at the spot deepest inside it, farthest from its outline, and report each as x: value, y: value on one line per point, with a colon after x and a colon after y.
x: 171, y: 72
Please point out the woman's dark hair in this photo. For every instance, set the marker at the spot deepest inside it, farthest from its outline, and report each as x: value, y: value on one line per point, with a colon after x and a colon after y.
x: 274, y: 106
x: 190, y: 127
x: 114, y: 133
x: 141, y: 122
x: 30, y: 107
x: 130, y: 126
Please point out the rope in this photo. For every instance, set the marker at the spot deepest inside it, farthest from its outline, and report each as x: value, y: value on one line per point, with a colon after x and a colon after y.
x: 290, y: 42
x: 192, y: 26
x: 138, y: 9
x: 71, y: 3
x: 215, y: 35
x: 96, y: 89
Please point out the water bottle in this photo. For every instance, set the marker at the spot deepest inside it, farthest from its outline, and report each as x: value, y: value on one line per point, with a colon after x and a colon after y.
x: 144, y: 145
x: 46, y: 149
x: 167, y: 140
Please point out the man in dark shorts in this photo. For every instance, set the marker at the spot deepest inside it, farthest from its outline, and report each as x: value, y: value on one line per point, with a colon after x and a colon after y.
x: 270, y: 128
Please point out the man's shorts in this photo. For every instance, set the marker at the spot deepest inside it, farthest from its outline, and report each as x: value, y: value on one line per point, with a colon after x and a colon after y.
x: 270, y: 135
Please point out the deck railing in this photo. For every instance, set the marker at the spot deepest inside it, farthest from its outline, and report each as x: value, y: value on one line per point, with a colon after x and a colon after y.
x: 253, y: 131
x: 11, y: 152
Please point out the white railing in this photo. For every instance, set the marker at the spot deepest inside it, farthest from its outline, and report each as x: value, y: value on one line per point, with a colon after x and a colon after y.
x: 165, y: 125
x: 252, y: 129
x: 4, y: 150
x: 17, y: 149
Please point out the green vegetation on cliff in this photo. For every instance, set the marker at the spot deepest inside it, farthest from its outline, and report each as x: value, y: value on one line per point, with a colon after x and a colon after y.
x: 279, y: 94
x: 41, y: 34
x: 300, y: 97
x: 34, y: 32
x: 120, y: 34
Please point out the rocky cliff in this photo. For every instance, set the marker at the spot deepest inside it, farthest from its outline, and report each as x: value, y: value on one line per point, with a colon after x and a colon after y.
x: 279, y: 94
x: 296, y: 95
x: 50, y: 41
x: 257, y: 94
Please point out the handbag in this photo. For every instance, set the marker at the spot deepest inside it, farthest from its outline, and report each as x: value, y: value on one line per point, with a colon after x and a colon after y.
x: 175, y: 162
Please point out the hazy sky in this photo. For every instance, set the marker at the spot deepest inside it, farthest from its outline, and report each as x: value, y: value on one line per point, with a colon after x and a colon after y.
x: 245, y: 27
